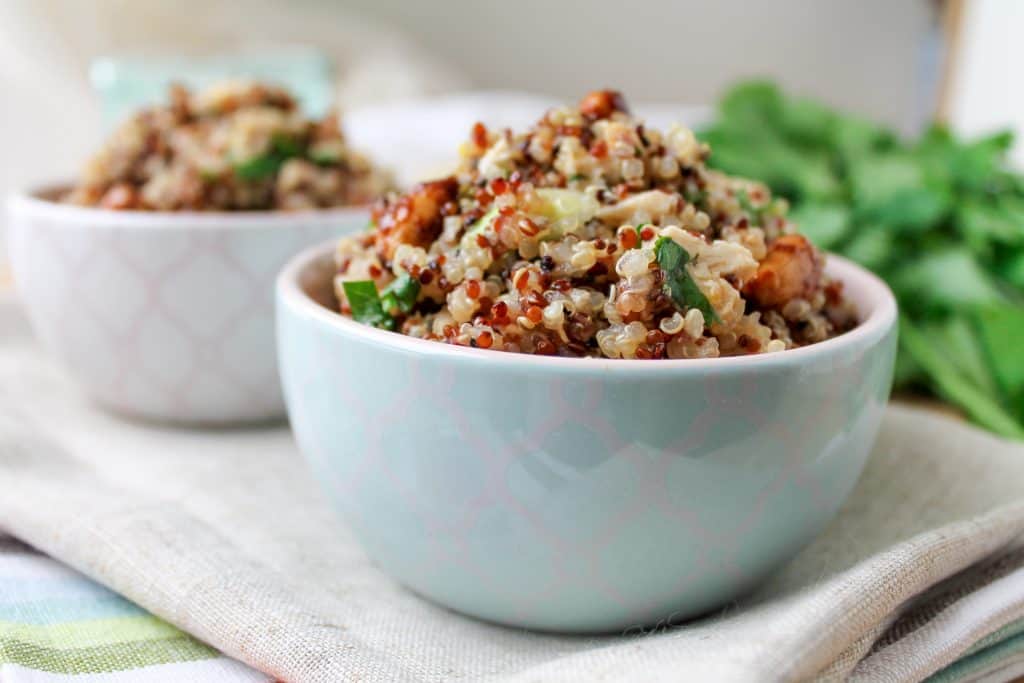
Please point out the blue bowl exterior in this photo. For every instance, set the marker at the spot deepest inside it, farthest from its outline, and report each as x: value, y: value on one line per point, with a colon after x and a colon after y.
x: 579, y: 498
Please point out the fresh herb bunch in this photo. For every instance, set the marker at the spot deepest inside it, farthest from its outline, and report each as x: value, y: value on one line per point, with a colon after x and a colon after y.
x: 940, y: 219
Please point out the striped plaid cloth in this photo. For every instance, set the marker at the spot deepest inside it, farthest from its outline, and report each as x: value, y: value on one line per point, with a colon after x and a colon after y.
x: 56, y: 625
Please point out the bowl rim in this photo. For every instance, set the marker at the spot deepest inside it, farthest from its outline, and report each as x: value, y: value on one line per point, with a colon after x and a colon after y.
x: 880, y: 319
x: 34, y: 202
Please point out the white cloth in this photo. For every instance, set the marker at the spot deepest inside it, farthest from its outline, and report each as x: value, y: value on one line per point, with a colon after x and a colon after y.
x: 224, y: 534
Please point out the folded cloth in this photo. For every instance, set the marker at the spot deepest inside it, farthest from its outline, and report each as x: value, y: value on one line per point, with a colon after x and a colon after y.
x: 224, y: 534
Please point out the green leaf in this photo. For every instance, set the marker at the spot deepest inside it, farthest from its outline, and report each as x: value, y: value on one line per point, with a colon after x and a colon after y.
x: 324, y: 158
x: 282, y: 148
x: 366, y: 304
x: 696, y: 197
x: 985, y: 222
x: 854, y: 139
x: 751, y: 101
x: 400, y: 294
x: 878, y: 177
x: 685, y: 293
x: 824, y: 224
x: 952, y: 385
x: 258, y: 168
x: 806, y: 121
x: 285, y: 145
x: 958, y: 342
x: 907, y: 372
x: 979, y: 162
x: 891, y: 189
x: 1001, y: 331
x: 787, y: 170
x: 870, y: 246
x: 909, y: 210
x: 1011, y: 268
x: 945, y: 280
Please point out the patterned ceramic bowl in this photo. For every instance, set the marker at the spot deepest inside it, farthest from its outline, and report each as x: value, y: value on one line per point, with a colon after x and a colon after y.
x: 579, y: 494
x: 166, y: 316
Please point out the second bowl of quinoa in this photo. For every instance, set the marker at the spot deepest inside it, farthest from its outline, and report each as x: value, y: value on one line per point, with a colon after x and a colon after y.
x: 151, y: 277
x: 235, y: 146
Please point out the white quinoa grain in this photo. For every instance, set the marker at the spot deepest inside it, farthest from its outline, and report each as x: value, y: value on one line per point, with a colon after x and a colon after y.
x: 567, y: 261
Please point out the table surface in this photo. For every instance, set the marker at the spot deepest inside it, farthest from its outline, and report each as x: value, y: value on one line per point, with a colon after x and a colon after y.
x: 6, y: 285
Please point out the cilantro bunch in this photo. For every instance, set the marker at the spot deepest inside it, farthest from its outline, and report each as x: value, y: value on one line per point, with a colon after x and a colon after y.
x: 940, y: 219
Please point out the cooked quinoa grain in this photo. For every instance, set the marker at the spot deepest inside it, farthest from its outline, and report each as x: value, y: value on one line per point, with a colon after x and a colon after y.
x: 237, y: 146
x: 591, y: 235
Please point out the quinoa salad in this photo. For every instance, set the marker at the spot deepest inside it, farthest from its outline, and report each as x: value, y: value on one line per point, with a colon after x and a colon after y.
x: 591, y: 235
x: 236, y: 146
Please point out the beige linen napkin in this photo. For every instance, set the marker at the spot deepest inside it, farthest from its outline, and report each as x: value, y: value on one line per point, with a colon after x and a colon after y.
x: 224, y: 534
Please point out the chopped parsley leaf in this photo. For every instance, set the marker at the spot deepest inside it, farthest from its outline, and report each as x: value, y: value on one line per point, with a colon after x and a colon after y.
x: 685, y: 293
x: 282, y: 148
x: 258, y: 167
x: 400, y: 294
x: 696, y: 197
x: 366, y: 304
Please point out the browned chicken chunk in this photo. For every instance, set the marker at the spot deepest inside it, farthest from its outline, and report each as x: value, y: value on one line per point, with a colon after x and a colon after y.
x: 792, y: 269
x: 414, y: 219
x: 600, y: 104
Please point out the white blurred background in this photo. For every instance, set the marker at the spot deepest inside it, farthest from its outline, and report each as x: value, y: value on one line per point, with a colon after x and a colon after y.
x: 880, y: 58
x: 867, y: 55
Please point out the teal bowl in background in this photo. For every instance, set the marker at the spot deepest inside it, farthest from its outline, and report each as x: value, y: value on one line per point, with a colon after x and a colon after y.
x: 581, y: 495
x: 126, y: 83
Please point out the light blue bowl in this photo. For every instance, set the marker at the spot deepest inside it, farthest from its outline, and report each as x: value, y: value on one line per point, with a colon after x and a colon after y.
x: 578, y: 494
x: 127, y: 83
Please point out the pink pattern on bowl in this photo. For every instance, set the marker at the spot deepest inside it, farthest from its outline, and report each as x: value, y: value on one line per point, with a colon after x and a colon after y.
x: 163, y: 316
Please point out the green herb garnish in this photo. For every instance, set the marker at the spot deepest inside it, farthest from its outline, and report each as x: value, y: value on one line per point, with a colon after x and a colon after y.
x: 282, y: 148
x: 325, y: 157
x: 286, y: 145
x: 685, y: 293
x: 696, y: 197
x: 400, y: 294
x: 258, y: 168
x: 377, y: 309
x: 366, y: 304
